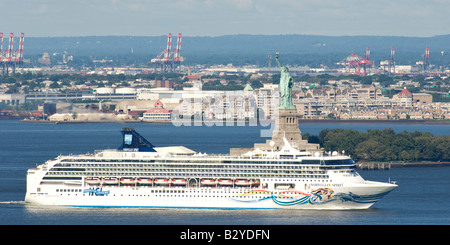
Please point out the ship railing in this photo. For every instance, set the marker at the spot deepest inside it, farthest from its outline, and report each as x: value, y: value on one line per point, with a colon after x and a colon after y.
x: 223, y: 156
x: 204, y: 155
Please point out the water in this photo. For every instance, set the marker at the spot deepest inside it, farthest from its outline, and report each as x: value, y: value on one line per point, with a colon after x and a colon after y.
x: 421, y: 198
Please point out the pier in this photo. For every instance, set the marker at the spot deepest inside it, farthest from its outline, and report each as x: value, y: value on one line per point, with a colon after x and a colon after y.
x: 374, y: 166
x: 388, y: 165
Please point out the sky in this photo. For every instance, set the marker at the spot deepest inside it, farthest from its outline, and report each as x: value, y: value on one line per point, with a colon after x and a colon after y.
x: 50, y: 18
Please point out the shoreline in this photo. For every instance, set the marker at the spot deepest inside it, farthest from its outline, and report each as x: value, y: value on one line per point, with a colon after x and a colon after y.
x: 252, y: 122
x: 389, y: 165
x: 420, y: 164
x: 357, y: 121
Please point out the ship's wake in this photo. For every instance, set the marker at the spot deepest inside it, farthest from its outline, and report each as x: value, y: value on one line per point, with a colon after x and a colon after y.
x: 12, y: 202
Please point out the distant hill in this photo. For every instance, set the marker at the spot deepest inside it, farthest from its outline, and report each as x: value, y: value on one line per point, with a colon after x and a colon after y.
x: 242, y: 49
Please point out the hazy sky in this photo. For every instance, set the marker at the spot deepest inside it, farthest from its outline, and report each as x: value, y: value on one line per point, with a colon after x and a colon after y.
x: 223, y: 17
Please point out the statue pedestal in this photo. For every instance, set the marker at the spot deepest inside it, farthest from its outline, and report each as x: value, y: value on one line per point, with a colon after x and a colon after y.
x: 286, y: 125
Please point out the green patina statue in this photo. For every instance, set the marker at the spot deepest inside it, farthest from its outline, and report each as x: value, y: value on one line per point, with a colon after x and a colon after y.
x: 286, y: 83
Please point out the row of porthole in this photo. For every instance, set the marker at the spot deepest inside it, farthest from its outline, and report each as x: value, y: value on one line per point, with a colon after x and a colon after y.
x: 190, y: 196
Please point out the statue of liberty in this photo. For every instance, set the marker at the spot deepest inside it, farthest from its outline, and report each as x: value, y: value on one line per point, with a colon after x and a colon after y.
x: 286, y: 83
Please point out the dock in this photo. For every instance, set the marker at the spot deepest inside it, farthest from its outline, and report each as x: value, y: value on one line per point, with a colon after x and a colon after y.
x: 388, y: 165
x: 374, y: 166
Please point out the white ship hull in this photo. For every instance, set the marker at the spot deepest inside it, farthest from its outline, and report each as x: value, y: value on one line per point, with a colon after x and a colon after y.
x: 350, y: 197
x: 287, y: 179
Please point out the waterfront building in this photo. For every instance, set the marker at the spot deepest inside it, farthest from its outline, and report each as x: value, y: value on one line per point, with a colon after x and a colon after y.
x: 422, y: 98
x: 268, y: 99
x: 12, y: 99
x: 158, y: 112
x: 404, y: 98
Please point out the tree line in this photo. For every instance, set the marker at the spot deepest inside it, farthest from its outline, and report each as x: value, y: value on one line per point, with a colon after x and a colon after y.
x: 384, y: 145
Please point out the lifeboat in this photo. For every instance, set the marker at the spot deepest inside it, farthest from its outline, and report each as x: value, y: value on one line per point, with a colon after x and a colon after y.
x: 208, y: 182
x: 110, y: 181
x: 92, y: 181
x: 145, y: 181
x: 225, y: 182
x: 162, y: 181
x: 242, y: 182
x: 178, y: 181
x: 255, y: 182
x: 127, y: 181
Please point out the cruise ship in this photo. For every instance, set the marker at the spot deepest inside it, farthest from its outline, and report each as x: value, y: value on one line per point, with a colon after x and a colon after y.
x: 140, y: 175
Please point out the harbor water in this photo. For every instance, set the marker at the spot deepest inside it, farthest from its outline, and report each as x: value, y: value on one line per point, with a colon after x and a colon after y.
x: 421, y: 198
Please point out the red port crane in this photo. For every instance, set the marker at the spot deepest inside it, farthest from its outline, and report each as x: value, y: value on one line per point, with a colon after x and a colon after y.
x: 164, y: 59
x: 177, y: 52
x: 426, y: 59
x: 356, y: 65
x: 392, y: 61
x: 11, y: 58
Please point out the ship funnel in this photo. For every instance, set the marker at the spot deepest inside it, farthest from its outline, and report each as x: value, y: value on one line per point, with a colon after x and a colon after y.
x: 132, y: 141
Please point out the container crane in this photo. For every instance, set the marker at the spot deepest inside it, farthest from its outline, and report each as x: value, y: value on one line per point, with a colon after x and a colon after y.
x: 356, y: 65
x: 392, y: 61
x: 165, y: 60
x: 11, y: 58
x: 426, y: 59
